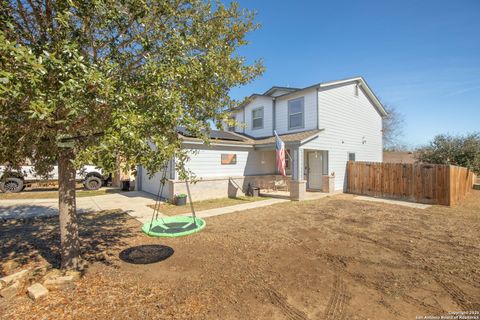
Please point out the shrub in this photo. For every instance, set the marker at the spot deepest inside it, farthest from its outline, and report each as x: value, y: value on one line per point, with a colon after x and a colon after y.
x: 461, y: 150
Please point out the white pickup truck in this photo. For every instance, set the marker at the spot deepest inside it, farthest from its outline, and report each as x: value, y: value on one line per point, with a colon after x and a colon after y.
x: 12, y: 181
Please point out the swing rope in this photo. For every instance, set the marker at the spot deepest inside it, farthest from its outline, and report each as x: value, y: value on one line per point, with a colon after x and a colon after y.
x: 175, y: 226
x: 156, y: 209
x: 191, y: 203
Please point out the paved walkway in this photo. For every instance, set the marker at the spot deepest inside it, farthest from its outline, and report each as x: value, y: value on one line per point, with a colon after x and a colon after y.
x: 238, y: 207
x: 309, y: 195
x: 397, y: 202
x: 135, y: 203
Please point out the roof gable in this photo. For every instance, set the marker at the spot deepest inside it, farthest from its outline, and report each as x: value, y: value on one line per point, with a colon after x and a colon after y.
x: 359, y: 80
x: 276, y: 91
x: 273, y: 92
x: 368, y: 91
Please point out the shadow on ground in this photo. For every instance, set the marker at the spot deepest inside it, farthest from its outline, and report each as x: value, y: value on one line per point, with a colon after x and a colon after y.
x: 37, y: 240
x: 146, y: 254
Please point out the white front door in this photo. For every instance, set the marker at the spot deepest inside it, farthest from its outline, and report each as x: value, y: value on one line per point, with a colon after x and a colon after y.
x: 315, y: 170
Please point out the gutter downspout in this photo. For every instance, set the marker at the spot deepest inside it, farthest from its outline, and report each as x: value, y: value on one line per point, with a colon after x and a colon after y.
x: 318, y: 110
x: 244, y: 121
x: 274, y: 119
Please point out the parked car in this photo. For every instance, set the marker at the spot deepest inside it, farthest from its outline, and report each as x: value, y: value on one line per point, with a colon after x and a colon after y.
x: 13, y: 181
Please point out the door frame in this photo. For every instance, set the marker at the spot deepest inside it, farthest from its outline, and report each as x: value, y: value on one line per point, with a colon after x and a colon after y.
x: 307, y: 171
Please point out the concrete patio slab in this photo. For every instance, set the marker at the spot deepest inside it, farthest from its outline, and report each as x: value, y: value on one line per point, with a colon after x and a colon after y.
x: 396, y: 202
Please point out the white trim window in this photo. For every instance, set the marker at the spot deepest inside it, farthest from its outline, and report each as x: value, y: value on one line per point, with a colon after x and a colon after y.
x: 231, y: 127
x: 296, y: 115
x: 257, y: 118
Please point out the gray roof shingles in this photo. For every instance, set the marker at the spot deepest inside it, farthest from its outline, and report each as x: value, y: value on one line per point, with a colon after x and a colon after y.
x: 242, y: 139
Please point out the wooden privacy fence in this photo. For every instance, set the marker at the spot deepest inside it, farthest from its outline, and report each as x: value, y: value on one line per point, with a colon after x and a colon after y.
x: 423, y: 183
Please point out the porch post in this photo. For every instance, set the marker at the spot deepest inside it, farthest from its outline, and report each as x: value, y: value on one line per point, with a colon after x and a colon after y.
x: 298, y: 186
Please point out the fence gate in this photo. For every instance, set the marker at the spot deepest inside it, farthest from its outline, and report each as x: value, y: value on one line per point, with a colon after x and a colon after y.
x: 427, y: 178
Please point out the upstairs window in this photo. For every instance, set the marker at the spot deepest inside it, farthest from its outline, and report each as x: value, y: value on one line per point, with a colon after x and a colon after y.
x: 296, y: 115
x: 231, y: 127
x: 257, y: 118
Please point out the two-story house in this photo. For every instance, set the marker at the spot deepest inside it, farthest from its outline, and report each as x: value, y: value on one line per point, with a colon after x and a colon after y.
x: 323, y: 126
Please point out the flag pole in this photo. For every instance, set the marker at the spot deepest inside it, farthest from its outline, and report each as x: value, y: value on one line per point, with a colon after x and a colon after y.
x: 288, y: 154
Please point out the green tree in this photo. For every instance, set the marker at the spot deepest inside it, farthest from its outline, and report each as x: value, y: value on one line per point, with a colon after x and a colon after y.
x: 460, y: 150
x: 90, y: 81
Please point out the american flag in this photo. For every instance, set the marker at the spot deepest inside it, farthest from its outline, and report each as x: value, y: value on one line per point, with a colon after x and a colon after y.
x: 280, y: 150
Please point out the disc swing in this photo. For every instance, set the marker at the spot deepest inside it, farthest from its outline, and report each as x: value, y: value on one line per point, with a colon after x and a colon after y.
x: 175, y: 226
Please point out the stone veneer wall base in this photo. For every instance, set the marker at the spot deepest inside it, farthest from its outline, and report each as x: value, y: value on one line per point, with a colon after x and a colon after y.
x: 222, y: 187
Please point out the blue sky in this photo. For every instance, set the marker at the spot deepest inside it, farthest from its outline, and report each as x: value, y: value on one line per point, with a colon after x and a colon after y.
x: 423, y: 57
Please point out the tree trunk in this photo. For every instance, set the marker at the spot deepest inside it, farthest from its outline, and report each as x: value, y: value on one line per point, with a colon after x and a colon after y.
x: 70, y: 243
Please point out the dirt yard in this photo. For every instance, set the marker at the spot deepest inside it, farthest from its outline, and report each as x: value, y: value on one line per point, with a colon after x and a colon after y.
x: 334, y: 258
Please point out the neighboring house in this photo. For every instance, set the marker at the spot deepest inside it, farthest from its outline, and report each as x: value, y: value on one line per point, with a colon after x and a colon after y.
x: 398, y: 157
x: 323, y: 126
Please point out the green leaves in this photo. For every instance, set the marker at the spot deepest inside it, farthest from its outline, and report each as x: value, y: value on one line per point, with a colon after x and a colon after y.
x: 461, y: 151
x: 118, y: 77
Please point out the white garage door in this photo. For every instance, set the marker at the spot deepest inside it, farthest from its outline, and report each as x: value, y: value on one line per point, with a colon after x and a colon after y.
x: 152, y: 185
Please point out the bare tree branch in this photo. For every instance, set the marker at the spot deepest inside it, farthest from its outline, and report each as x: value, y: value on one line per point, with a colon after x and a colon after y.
x: 393, y: 125
x: 39, y: 19
x: 23, y: 15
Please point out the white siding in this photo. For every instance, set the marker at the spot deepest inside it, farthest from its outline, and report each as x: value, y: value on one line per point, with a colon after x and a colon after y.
x: 239, y: 118
x: 257, y: 102
x: 206, y: 162
x: 348, y: 120
x: 260, y: 162
x: 152, y: 185
x: 310, y: 109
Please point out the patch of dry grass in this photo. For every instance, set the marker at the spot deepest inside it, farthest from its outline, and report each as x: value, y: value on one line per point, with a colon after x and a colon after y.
x: 171, y: 209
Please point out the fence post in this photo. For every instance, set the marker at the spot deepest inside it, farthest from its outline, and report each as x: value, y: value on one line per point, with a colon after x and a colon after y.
x: 450, y: 186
